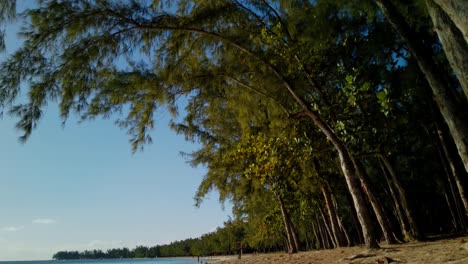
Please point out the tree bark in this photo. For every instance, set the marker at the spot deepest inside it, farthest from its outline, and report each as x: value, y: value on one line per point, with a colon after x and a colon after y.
x: 328, y: 229
x: 396, y: 202
x: 292, y: 242
x: 461, y: 217
x: 457, y: 10
x: 453, y: 168
x: 453, y: 113
x: 318, y: 238
x: 455, y: 46
x: 323, y: 233
x: 414, y: 230
x: 340, y: 223
x: 352, y: 180
x: 382, y: 218
x: 338, y: 235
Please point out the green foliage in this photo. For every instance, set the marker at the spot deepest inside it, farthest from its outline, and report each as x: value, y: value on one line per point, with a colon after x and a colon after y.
x: 247, y: 70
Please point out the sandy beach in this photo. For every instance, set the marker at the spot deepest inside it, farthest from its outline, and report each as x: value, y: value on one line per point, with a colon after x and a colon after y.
x: 453, y: 251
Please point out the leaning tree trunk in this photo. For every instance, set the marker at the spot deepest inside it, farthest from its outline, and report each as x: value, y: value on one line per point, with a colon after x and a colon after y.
x: 402, y: 197
x: 320, y: 233
x: 340, y: 222
x: 382, y: 218
x: 455, y: 46
x: 352, y: 180
x: 451, y: 163
x: 446, y: 100
x: 328, y: 229
x: 338, y: 235
x: 292, y: 242
x: 461, y: 219
x: 457, y: 10
x: 396, y: 203
x: 319, y: 240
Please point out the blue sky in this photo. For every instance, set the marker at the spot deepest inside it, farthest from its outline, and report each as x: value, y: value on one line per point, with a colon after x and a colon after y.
x: 80, y: 187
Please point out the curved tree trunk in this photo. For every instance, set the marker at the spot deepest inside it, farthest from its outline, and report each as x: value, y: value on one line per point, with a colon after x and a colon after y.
x: 382, y: 218
x: 352, y: 180
x: 455, y: 47
x: 457, y: 10
x: 446, y: 100
x: 402, y: 197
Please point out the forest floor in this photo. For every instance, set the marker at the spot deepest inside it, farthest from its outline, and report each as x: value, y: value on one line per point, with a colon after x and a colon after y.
x: 453, y: 251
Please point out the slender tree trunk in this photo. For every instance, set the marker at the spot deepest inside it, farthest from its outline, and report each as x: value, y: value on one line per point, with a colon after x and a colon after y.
x: 320, y: 233
x: 459, y: 219
x: 452, y: 212
x: 318, y: 238
x: 382, y: 218
x: 337, y: 234
x: 306, y: 235
x: 360, y: 238
x: 340, y: 223
x: 294, y: 234
x: 328, y: 229
x: 396, y: 203
x: 352, y: 180
x: 451, y: 110
x: 293, y: 247
x: 455, y: 46
x: 402, y: 197
x: 453, y: 168
x: 323, y: 233
x: 457, y: 10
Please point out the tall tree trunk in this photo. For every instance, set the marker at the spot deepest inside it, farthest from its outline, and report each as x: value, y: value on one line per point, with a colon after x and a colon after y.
x: 461, y: 218
x: 323, y: 233
x: 338, y: 235
x: 457, y: 10
x: 320, y: 232
x: 455, y: 46
x: 352, y: 180
x: 359, y: 236
x: 382, y: 218
x: 318, y: 238
x: 446, y: 100
x: 340, y: 223
x: 327, y: 228
x: 293, y: 247
x: 453, y: 168
x: 340, y: 240
x: 452, y: 212
x: 402, y: 197
x: 396, y: 203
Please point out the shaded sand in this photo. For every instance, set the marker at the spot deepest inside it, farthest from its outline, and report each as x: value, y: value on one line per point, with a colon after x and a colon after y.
x: 453, y: 251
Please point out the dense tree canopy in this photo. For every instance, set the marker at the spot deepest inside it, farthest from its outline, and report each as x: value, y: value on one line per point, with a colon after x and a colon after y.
x: 326, y: 123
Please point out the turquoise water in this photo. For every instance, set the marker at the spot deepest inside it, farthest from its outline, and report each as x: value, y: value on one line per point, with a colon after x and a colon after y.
x: 113, y: 261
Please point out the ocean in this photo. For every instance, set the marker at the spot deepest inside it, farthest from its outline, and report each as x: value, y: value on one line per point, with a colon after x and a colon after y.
x: 114, y: 261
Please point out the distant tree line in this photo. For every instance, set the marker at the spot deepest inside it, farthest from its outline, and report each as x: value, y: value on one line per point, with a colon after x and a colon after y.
x: 225, y: 240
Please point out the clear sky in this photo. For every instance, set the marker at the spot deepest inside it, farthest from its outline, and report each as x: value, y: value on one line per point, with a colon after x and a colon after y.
x: 80, y: 187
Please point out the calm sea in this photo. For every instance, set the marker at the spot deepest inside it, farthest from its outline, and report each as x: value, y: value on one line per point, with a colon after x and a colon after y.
x: 114, y: 261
